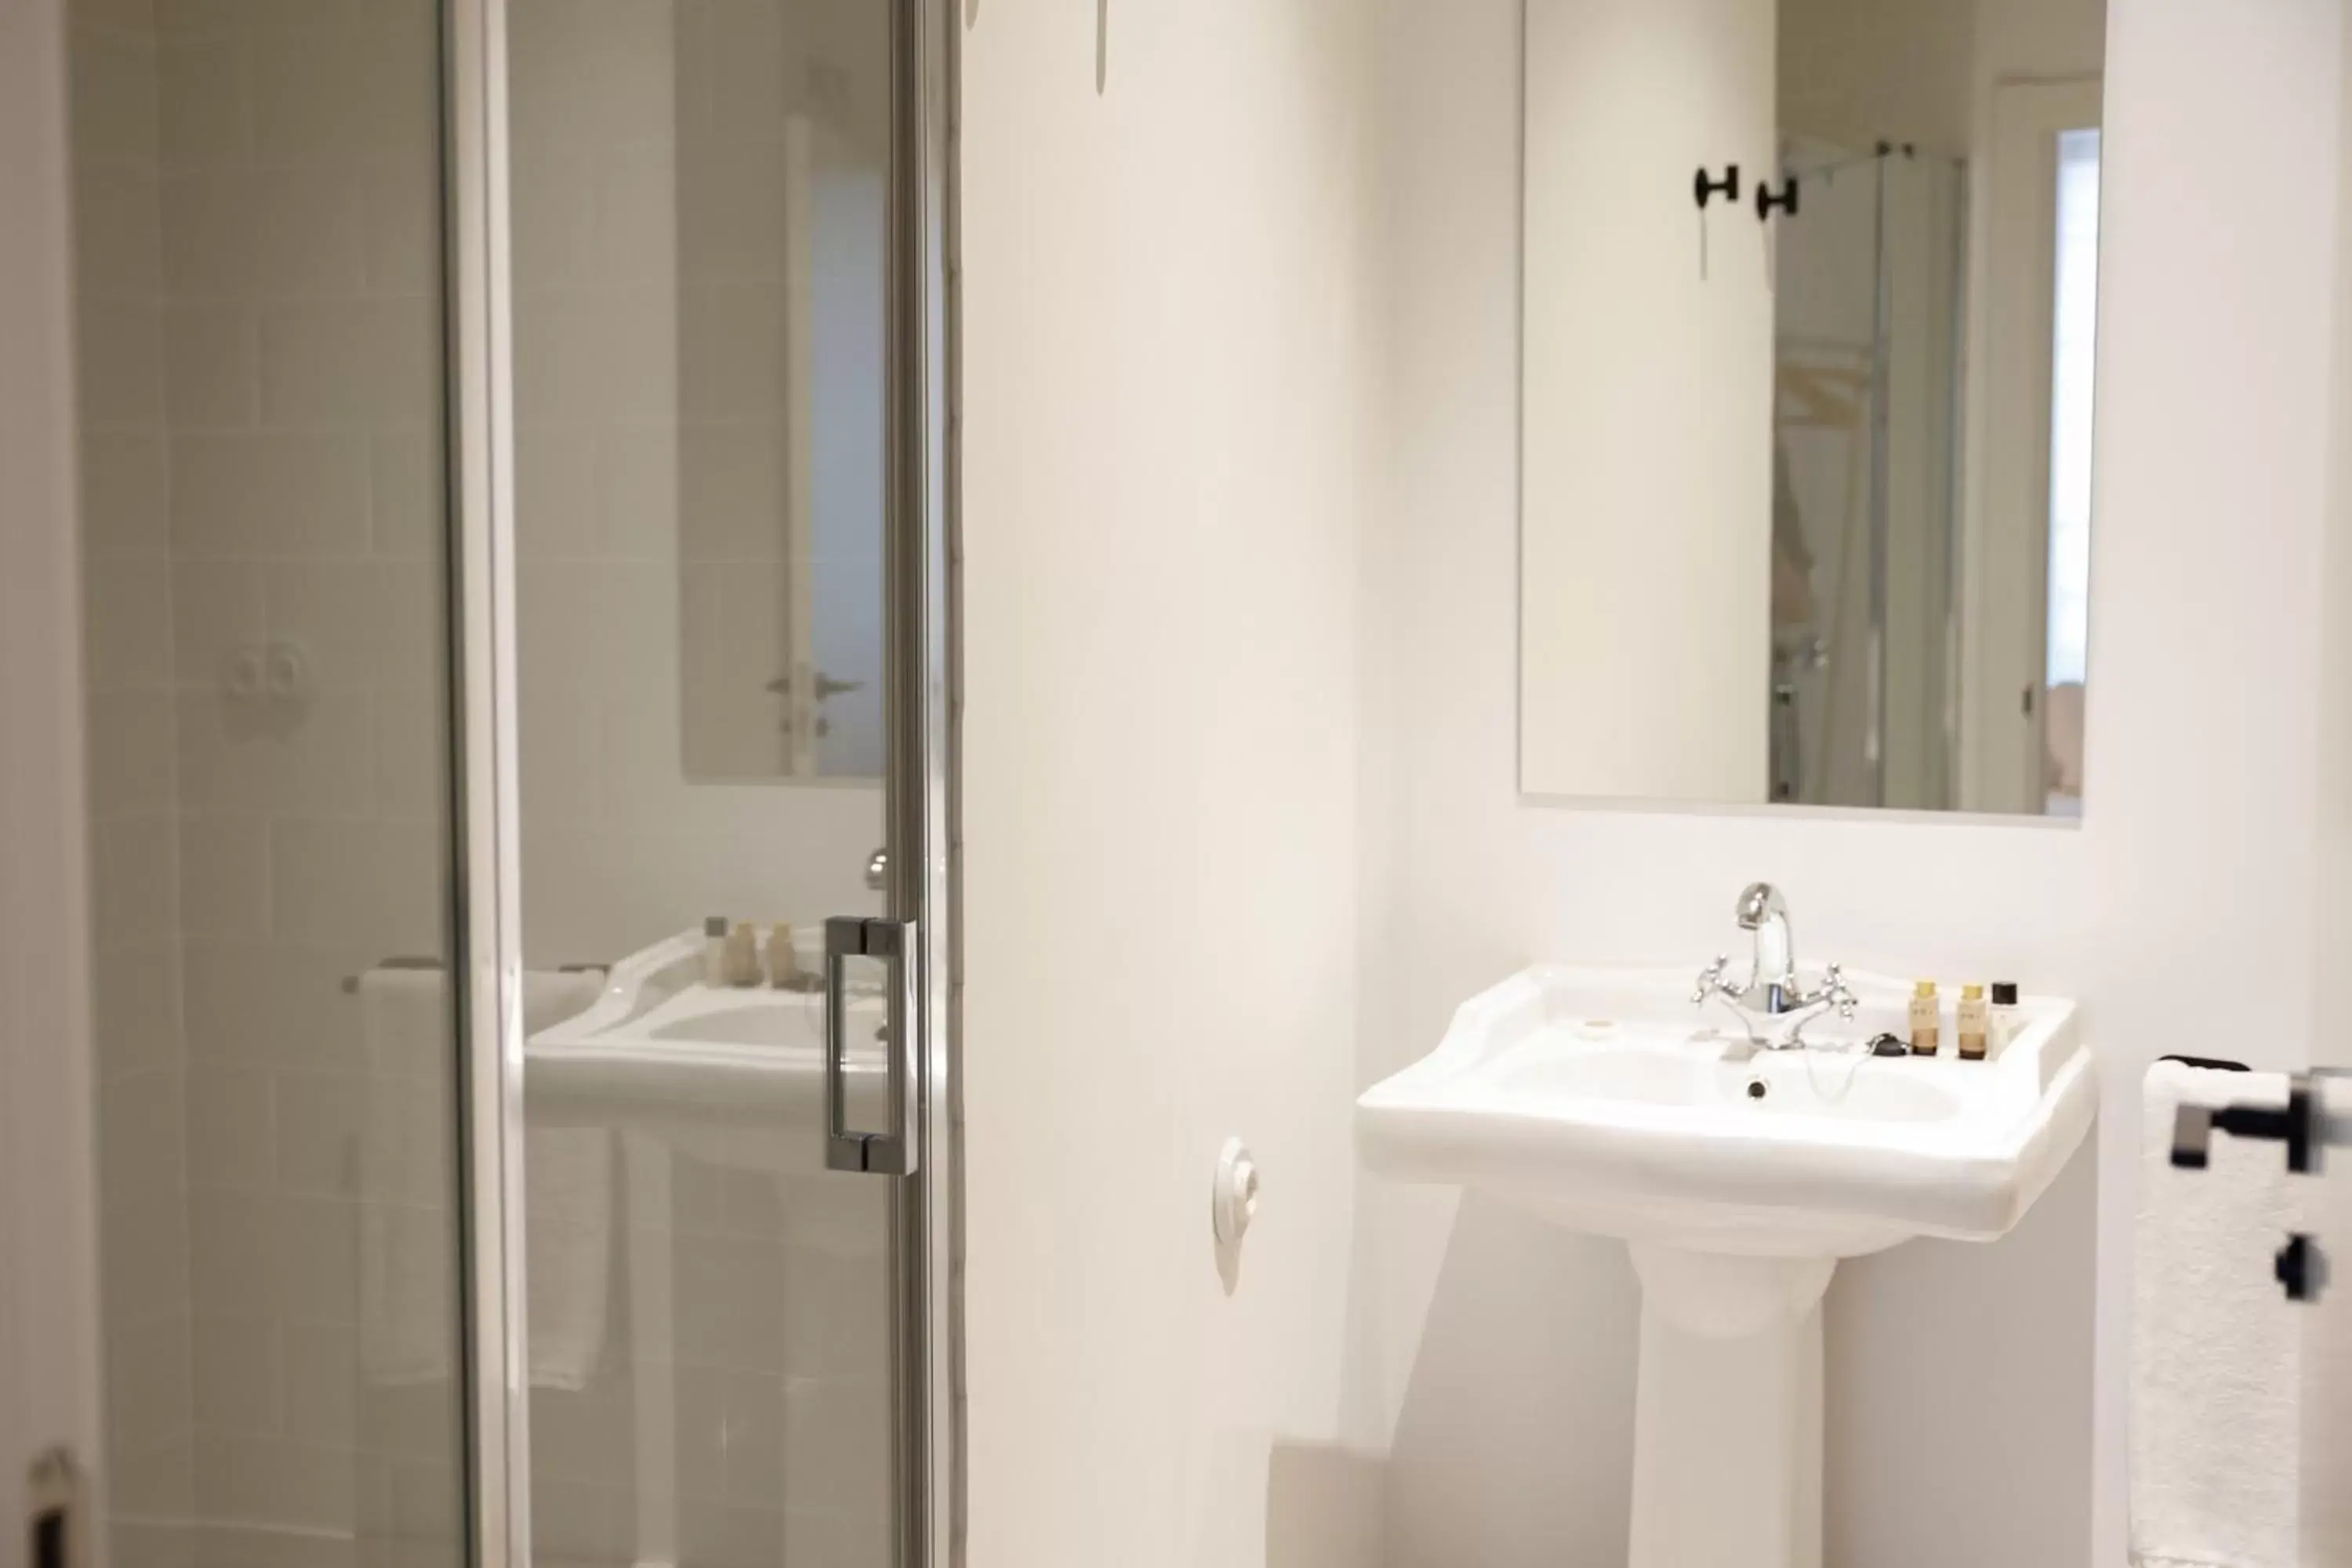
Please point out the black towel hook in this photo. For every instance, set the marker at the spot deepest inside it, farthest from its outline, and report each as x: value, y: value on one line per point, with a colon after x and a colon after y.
x: 1703, y: 188
x: 1785, y: 201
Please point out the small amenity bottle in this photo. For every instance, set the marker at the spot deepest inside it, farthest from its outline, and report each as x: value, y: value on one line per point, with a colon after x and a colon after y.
x: 1926, y: 1016
x: 1973, y: 1020
x: 714, y: 950
x: 783, y: 961
x: 2006, y: 1020
x: 743, y: 954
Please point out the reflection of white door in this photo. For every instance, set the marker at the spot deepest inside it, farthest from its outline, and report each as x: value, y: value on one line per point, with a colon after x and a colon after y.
x: 835, y: 216
x: 2005, y: 578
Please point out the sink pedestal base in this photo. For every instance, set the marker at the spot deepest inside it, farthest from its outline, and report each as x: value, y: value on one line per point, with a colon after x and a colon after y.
x: 1728, y: 1419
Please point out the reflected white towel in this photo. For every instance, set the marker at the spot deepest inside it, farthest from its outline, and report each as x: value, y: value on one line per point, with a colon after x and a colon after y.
x: 2216, y: 1346
x: 408, y: 1230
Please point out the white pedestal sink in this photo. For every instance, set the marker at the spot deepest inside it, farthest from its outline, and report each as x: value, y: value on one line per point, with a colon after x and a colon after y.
x: 1602, y: 1101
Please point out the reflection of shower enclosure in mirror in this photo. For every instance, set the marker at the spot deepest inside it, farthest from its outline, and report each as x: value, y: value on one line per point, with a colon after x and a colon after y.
x: 1865, y: 424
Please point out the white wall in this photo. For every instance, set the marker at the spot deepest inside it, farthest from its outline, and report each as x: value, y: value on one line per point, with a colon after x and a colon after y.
x: 48, y: 1272
x: 1647, y: 467
x: 1163, y: 355
x: 1509, y: 1394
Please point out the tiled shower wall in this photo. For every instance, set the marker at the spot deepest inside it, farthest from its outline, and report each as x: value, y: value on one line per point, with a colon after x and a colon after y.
x: 258, y: 271
x: 258, y: 253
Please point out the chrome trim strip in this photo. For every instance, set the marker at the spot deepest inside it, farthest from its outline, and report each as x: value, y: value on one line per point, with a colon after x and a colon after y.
x: 487, y: 894
x: 921, y: 640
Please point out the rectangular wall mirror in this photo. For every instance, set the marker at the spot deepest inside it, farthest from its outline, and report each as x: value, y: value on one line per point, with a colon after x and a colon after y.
x: 1807, y: 398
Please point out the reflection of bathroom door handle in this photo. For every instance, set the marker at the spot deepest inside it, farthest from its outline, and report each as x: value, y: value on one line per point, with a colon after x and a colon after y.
x: 893, y: 1151
x: 827, y: 686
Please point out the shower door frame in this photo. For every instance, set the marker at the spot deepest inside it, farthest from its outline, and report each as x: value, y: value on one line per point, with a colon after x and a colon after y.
x: 920, y: 788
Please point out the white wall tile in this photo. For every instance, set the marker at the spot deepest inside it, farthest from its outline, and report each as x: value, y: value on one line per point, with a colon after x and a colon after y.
x: 148, y: 1394
x: 373, y: 885
x: 120, y: 357
x: 118, y: 230
x: 237, y: 1380
x: 554, y: 205
x: 151, y: 1480
x: 128, y: 624
x: 730, y: 1304
x: 263, y: 1480
x: 135, y: 879
x: 556, y: 491
x: 137, y: 1006
x: 639, y: 196
x: 408, y: 494
x: 125, y: 494
x: 729, y: 1535
x: 232, y: 1237
x: 322, y: 1375
x: 365, y: 623
x: 207, y: 97
x: 143, y: 1159
x: 273, y: 493
x: 402, y: 203
x: 225, y: 877
x: 374, y: 362
x: 321, y: 1118
x: 317, y: 1267
x: 265, y: 234
x: 232, y: 1125
x: 131, y: 752
x: 217, y: 606
x: 639, y: 480
x: 837, y: 1446
x: 212, y: 367
x: 143, y: 1255
x: 282, y: 1005
x: 113, y: 97
x: 736, y: 488
x: 411, y: 754
x: 324, y: 762
x: 731, y: 216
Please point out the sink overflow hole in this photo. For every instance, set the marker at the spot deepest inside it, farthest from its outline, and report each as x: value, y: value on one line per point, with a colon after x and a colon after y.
x: 1757, y: 1088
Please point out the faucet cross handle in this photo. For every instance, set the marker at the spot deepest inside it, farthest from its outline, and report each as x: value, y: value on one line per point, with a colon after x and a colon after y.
x: 1838, y: 994
x: 1710, y: 980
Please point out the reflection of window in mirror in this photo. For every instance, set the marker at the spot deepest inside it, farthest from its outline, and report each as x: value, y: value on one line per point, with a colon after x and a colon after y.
x: 780, y: 470
x: 2074, y: 340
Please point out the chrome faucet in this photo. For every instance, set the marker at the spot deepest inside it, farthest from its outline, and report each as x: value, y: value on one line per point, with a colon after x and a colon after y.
x: 1773, y: 1006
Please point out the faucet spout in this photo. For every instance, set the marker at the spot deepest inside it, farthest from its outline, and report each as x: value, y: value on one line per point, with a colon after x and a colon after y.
x: 1765, y: 914
x: 1774, y: 1005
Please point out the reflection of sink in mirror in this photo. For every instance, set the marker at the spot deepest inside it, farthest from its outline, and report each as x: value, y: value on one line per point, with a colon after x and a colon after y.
x: 1605, y: 1102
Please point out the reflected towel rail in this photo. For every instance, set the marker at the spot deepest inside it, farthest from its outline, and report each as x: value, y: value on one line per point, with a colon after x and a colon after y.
x: 420, y: 961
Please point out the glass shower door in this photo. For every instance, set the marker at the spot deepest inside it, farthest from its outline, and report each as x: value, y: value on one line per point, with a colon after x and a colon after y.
x: 259, y: 308
x: 704, y: 737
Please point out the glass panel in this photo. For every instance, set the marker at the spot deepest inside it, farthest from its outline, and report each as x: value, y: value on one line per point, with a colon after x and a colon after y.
x: 699, y: 228
x: 260, y: 319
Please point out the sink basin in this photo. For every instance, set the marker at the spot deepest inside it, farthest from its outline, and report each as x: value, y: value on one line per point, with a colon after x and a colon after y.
x: 1605, y: 1102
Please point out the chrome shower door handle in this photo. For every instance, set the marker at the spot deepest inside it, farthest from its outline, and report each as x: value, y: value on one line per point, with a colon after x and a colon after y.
x: 893, y: 1151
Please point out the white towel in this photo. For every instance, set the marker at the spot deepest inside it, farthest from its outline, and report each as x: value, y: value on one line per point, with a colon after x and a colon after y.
x: 2216, y: 1376
x: 408, y: 1232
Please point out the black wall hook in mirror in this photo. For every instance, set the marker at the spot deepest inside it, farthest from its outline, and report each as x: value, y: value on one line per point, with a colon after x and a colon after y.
x: 1728, y: 187
x: 1785, y: 201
